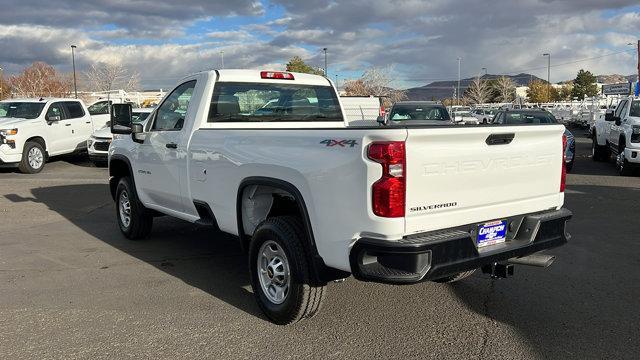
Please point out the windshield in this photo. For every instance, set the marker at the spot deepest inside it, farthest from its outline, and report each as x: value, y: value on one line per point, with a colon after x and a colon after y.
x: 635, y: 108
x: 23, y: 110
x: 253, y: 102
x: 529, y: 118
x: 418, y: 112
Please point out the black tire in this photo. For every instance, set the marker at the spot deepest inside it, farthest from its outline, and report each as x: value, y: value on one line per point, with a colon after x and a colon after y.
x: 140, y: 219
x: 454, y: 277
x: 303, y: 299
x: 622, y: 165
x: 569, y: 165
x: 599, y: 152
x: 25, y: 167
x: 99, y: 163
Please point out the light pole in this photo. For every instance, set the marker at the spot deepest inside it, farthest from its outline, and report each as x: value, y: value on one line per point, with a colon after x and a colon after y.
x: 1, y: 80
x: 485, y: 71
x: 325, y: 61
x: 548, y: 76
x: 337, y: 87
x: 221, y: 59
x: 73, y: 62
x: 458, y: 88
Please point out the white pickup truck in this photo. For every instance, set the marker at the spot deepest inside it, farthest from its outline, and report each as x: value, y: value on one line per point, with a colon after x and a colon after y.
x: 314, y: 200
x: 618, y: 132
x: 31, y: 130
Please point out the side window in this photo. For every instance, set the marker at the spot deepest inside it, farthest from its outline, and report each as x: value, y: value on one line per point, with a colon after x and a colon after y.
x: 55, y: 112
x: 171, y: 113
x: 99, y: 108
x: 74, y: 109
x: 621, y: 106
x: 498, y: 119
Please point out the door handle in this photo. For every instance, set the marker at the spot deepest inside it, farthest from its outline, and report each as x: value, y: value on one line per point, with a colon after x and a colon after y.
x: 87, y: 122
x: 67, y: 124
x: 171, y: 146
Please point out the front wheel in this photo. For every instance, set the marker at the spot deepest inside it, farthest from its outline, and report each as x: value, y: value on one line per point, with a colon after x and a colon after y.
x: 134, y: 220
x: 622, y: 165
x: 33, y: 158
x: 280, y: 272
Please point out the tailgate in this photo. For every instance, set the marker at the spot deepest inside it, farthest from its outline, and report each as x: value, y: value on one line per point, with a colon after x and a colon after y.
x: 463, y: 175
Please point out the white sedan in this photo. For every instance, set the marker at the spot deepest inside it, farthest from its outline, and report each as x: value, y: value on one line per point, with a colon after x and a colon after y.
x: 464, y: 118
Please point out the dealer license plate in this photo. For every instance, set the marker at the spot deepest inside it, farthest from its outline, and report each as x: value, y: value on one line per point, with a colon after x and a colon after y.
x: 492, y: 233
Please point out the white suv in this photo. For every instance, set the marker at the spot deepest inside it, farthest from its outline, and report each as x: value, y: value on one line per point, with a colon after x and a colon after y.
x: 31, y: 130
x: 619, y: 133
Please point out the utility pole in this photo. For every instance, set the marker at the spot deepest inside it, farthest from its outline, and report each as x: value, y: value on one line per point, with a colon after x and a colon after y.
x: 458, y: 89
x: 548, y: 76
x: 221, y: 59
x: 73, y: 62
x: 325, y: 62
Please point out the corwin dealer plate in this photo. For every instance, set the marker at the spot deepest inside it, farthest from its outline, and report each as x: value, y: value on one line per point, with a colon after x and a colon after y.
x: 492, y: 233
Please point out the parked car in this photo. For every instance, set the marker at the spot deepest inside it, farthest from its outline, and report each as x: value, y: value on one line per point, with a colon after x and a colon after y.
x: 32, y: 130
x: 419, y: 112
x: 540, y: 117
x: 464, y: 117
x: 484, y: 116
x: 99, y: 111
x: 618, y: 133
x: 98, y: 143
x: 314, y: 199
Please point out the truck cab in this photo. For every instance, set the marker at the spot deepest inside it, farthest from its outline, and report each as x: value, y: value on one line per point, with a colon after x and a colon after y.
x: 618, y: 133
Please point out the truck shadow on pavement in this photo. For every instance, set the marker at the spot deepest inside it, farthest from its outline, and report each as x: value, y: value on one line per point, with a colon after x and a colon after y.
x: 201, y: 257
x: 585, y: 304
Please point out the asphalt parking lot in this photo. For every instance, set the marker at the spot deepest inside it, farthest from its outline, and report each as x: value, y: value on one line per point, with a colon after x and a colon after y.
x: 72, y: 287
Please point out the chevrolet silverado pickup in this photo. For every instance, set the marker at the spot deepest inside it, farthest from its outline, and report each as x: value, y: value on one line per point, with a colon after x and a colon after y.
x: 618, y: 133
x: 313, y: 199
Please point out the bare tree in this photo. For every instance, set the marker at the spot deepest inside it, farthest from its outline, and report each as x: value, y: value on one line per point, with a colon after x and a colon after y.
x: 506, y: 89
x: 478, y: 92
x: 40, y: 79
x: 375, y: 82
x: 112, y: 76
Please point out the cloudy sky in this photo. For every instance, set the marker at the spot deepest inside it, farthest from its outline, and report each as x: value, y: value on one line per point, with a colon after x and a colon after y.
x: 419, y: 40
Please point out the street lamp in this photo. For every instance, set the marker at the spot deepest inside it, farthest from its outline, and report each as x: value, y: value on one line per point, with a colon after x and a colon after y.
x: 337, y: 82
x: 73, y: 61
x: 221, y: 59
x: 1, y: 70
x: 548, y: 76
x: 458, y: 89
x: 485, y: 71
x: 325, y: 61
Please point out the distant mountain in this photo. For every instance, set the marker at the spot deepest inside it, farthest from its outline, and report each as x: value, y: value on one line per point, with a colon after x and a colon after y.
x: 615, y: 78
x: 439, y: 90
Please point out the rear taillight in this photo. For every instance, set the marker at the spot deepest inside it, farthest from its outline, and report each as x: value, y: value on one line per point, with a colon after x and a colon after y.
x: 276, y: 75
x: 388, y: 193
x: 563, y: 175
x: 381, y: 110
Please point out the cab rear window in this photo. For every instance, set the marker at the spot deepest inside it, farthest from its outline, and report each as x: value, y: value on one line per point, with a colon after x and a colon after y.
x: 258, y: 102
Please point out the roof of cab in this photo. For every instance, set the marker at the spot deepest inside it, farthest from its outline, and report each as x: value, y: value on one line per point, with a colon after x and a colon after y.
x: 40, y: 100
x: 240, y: 75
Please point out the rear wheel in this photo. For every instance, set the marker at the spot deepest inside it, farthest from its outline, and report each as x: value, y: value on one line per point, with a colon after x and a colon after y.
x: 280, y: 272
x: 33, y: 158
x: 598, y: 152
x: 134, y: 220
x: 455, y: 277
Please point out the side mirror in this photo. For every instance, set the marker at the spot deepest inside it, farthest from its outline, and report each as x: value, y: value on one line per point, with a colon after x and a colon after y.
x: 52, y: 119
x: 608, y: 115
x: 121, y: 119
x: 137, y: 129
x: 382, y: 120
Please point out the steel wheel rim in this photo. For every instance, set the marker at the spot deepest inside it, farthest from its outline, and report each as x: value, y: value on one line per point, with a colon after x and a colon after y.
x: 124, y: 208
x: 273, y: 272
x: 35, y: 158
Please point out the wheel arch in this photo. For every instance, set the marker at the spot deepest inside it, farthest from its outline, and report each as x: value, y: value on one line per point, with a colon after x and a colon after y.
x: 320, y: 273
x: 119, y: 166
x: 40, y: 140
